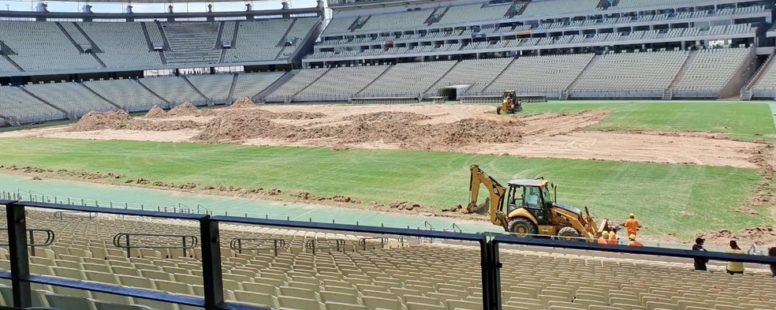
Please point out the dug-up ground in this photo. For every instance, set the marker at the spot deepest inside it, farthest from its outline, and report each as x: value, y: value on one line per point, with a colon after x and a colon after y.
x: 457, y: 128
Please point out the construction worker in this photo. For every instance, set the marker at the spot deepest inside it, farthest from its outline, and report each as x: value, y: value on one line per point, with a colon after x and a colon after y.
x: 632, y: 224
x: 613, y: 236
x: 633, y: 241
x: 604, y: 239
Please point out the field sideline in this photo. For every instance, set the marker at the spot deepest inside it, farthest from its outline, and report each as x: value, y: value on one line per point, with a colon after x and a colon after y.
x: 676, y: 200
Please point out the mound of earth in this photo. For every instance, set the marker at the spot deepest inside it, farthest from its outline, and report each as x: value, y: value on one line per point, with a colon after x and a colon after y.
x: 156, y: 112
x: 242, y: 103
x: 762, y: 234
x: 386, y: 127
x: 101, y: 120
x: 238, y: 126
x: 122, y: 120
x: 185, y: 109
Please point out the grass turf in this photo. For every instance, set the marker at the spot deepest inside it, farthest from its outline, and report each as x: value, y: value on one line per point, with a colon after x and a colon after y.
x: 749, y: 121
x: 670, y: 199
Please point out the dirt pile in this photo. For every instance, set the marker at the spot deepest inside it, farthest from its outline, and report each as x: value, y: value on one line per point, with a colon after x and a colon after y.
x: 156, y: 112
x: 122, y: 120
x: 335, y: 198
x: 387, y: 127
x: 101, y: 120
x: 236, y: 126
x: 242, y: 103
x: 185, y: 109
x: 761, y: 234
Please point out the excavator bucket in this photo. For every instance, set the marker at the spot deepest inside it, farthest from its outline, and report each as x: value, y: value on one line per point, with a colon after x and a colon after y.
x: 478, y: 208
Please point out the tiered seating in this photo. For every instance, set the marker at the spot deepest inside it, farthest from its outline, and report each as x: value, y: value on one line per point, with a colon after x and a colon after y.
x: 473, y: 13
x: 192, y: 42
x: 710, y: 71
x: 23, y: 108
x: 299, y: 81
x: 76, y: 35
x: 173, y: 89
x: 407, y: 79
x: 391, y: 21
x: 477, y: 73
x: 123, y: 45
x: 258, y: 40
x: 7, y: 67
x: 215, y: 87
x: 558, y: 7
x: 250, y: 84
x: 340, y: 83
x: 548, y: 75
x: 630, y: 75
x: 128, y: 94
x: 765, y: 86
x: 74, y: 98
x: 227, y: 35
x: 154, y: 34
x: 627, y: 4
x: 296, y: 35
x: 47, y: 50
x: 399, y: 275
x: 339, y: 24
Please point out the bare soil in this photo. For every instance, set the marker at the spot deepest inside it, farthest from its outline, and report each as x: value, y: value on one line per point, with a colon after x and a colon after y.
x: 460, y: 128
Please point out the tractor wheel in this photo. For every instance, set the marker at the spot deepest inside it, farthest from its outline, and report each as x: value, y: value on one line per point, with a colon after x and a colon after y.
x: 568, y: 234
x: 521, y: 227
x: 498, y: 110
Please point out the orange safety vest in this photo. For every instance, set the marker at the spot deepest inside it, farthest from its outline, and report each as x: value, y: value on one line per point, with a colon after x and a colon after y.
x: 635, y: 243
x: 632, y: 225
x: 602, y: 241
x: 612, y: 238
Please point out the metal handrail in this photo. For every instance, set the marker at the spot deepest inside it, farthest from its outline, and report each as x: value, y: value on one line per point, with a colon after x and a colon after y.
x: 237, y: 244
x: 49, y: 240
x: 314, y: 244
x: 362, y: 243
x: 188, y: 242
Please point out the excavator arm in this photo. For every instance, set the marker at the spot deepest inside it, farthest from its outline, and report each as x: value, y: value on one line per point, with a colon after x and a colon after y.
x: 495, y: 199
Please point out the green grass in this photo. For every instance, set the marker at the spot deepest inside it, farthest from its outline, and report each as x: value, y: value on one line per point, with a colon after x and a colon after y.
x: 675, y: 199
x: 749, y: 121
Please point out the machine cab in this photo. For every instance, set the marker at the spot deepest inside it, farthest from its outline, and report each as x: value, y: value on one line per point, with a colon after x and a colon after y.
x: 532, y: 195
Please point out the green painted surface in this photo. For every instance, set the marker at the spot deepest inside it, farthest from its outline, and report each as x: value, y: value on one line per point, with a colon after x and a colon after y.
x: 670, y: 199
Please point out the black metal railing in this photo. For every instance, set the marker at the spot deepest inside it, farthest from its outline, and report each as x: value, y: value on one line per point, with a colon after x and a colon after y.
x: 257, y: 244
x: 315, y: 245
x: 211, y: 254
x: 32, y: 241
x: 363, y: 243
x: 186, y: 243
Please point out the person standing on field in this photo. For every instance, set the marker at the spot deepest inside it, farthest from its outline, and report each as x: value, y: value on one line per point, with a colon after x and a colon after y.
x: 632, y: 224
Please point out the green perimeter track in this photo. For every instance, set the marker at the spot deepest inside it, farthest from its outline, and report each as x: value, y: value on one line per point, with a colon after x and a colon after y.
x: 673, y: 199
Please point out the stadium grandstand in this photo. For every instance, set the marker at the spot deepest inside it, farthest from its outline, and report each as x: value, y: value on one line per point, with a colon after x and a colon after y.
x: 563, y: 49
x: 72, y: 256
x: 331, y: 268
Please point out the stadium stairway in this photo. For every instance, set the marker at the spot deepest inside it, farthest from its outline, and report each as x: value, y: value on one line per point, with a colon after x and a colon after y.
x: 192, y: 43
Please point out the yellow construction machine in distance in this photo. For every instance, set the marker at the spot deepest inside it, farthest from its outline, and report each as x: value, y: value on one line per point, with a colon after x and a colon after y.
x: 526, y: 208
x: 510, y: 104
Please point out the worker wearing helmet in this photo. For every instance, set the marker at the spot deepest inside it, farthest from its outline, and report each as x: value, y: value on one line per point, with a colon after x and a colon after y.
x: 632, y: 224
x: 613, y: 236
x: 633, y: 241
x: 604, y: 239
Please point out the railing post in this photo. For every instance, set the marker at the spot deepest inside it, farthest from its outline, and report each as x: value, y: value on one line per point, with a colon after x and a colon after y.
x: 20, y: 264
x: 183, y: 244
x: 32, y: 243
x: 211, y: 264
x: 491, y: 282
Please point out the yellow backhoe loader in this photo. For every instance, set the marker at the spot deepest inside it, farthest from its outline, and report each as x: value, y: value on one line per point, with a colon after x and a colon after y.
x: 525, y: 208
x: 510, y: 104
